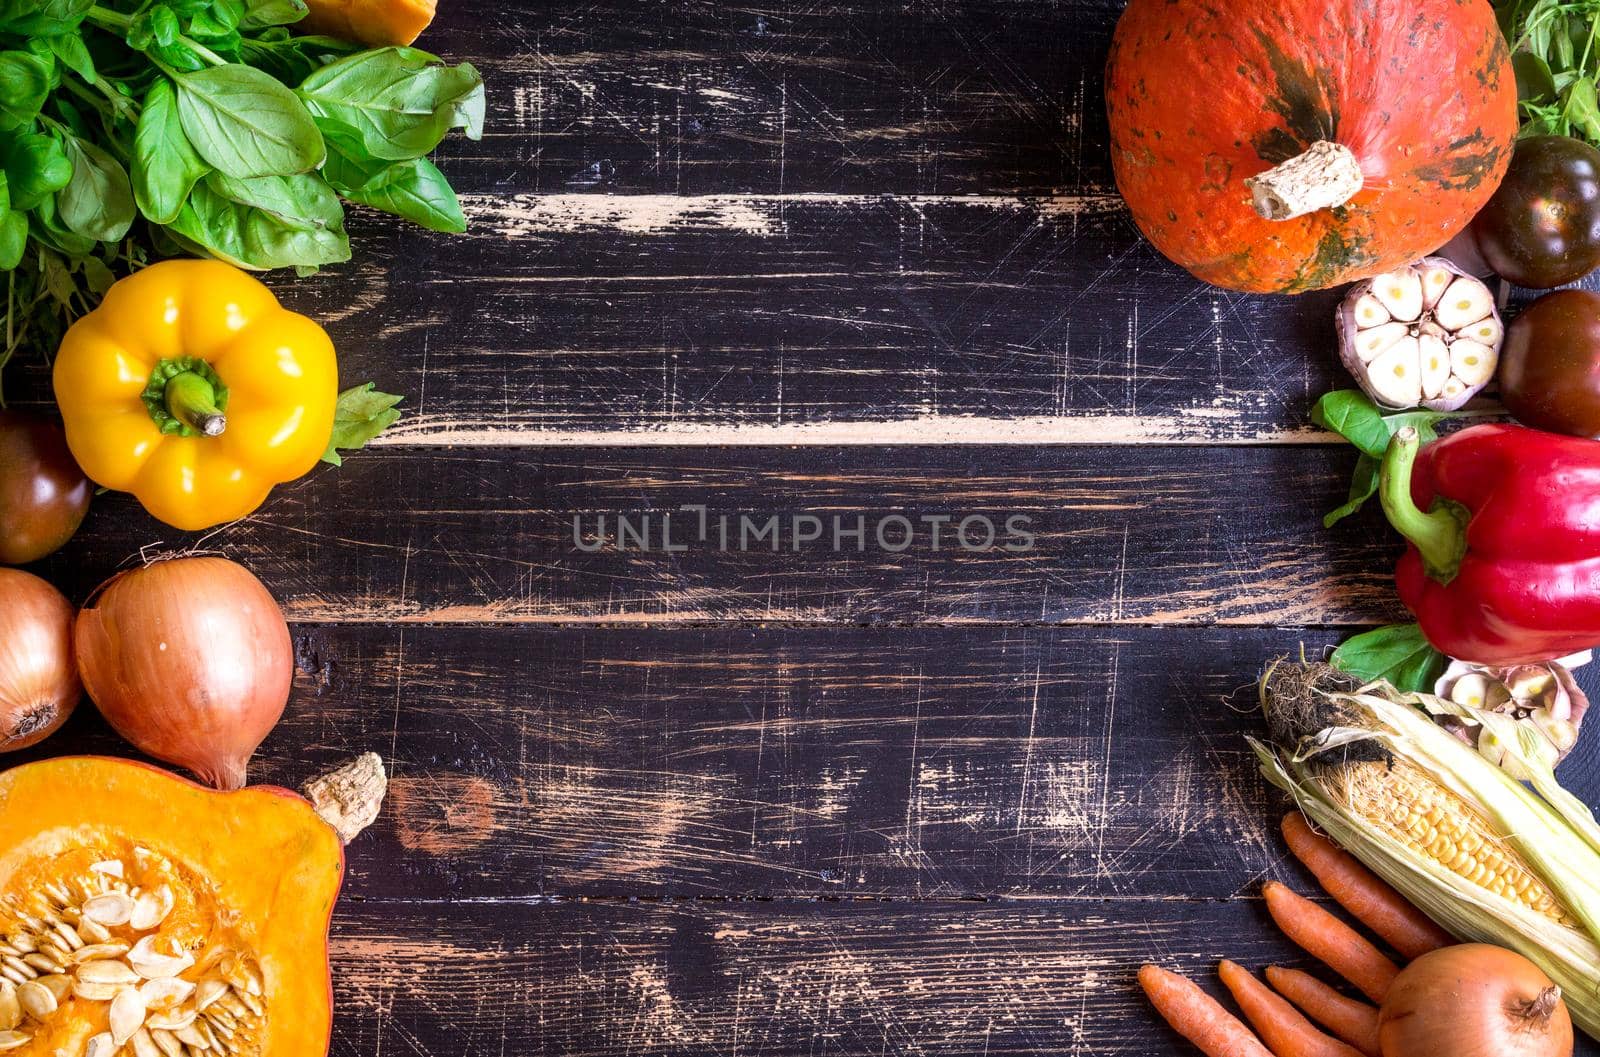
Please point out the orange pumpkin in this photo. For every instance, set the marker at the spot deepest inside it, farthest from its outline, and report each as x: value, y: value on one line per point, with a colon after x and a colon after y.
x: 143, y: 914
x: 1279, y: 147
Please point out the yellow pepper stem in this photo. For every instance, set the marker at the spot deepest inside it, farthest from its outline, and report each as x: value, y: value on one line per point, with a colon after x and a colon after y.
x: 193, y: 401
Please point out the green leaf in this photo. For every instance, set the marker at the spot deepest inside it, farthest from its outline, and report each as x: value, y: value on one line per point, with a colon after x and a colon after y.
x: 98, y: 203
x: 1582, y: 108
x: 400, y: 102
x: 414, y: 190
x: 24, y: 86
x: 362, y: 413
x: 1363, y: 486
x: 13, y: 238
x: 1535, y: 83
x: 303, y: 200
x: 1357, y: 419
x: 71, y: 52
x: 259, y: 13
x: 36, y: 167
x: 254, y: 238
x: 41, y: 18
x: 46, y: 227
x: 165, y: 164
x: 292, y: 59
x: 1398, y: 653
x: 244, y: 123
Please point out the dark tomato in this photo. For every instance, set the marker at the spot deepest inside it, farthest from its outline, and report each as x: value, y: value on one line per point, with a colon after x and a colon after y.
x: 43, y: 494
x: 1550, y: 364
x: 1542, y: 227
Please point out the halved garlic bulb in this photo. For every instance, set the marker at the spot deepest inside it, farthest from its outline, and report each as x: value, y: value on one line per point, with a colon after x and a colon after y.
x: 1427, y: 334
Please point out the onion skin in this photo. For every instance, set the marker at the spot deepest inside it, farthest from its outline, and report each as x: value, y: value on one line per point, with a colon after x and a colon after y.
x: 1474, y: 1000
x: 39, y: 684
x: 190, y: 660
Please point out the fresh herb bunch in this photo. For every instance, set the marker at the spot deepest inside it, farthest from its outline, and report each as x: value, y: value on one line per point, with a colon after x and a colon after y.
x: 135, y: 129
x: 1556, y: 55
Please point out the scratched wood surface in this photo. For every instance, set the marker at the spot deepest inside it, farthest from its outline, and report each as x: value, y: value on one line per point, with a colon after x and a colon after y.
x: 839, y: 259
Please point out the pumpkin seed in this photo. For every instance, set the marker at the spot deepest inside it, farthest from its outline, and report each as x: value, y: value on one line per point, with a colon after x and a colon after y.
x: 113, y: 908
x: 11, y: 961
x: 60, y: 986
x: 107, y: 971
x: 93, y: 931
x: 36, y: 1000
x: 69, y: 934
x: 252, y: 1002
x: 10, y: 1040
x: 127, y: 1016
x: 193, y: 1036
x: 208, y: 992
x: 144, y: 1045
x: 10, y: 1008
x: 95, y: 952
x: 110, y: 868
x: 58, y: 892
x: 94, y: 992
x: 152, y: 965
x: 12, y: 975
x: 21, y: 942
x: 100, y: 1046
x: 164, y: 994
x: 42, y: 962
x: 167, y: 1043
x: 151, y: 909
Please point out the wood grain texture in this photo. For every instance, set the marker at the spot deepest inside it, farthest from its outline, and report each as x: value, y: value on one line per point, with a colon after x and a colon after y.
x: 1125, y: 535
x: 1082, y: 763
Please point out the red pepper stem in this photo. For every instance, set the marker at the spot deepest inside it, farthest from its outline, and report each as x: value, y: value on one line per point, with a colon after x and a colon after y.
x: 193, y: 401
x: 1438, y: 534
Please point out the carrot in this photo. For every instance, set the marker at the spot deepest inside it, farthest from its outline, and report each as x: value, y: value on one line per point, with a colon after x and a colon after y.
x: 1197, y: 1016
x: 1360, y: 891
x: 1338, y: 946
x: 1353, y: 1021
x: 1280, y: 1025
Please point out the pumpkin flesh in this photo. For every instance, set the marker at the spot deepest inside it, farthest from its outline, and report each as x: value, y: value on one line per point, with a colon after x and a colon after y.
x: 246, y: 880
x: 1203, y: 96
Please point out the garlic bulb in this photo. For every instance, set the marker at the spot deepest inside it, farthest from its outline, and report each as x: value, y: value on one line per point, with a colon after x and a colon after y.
x: 1425, y: 335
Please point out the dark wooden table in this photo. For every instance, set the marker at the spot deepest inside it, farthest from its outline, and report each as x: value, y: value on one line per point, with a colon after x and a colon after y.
x: 785, y: 259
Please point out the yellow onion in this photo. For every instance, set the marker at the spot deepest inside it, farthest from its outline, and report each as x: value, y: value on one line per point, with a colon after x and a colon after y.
x: 39, y: 685
x: 190, y: 660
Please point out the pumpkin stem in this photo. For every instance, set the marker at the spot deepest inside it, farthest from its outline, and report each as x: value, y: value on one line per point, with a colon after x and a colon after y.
x: 349, y: 796
x: 1325, y: 176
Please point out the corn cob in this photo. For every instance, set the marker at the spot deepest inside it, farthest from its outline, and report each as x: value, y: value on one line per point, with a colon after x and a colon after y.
x: 1434, y: 822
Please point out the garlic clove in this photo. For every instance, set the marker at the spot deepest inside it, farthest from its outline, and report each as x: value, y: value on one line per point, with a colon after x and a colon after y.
x: 1436, y: 279
x: 1473, y: 363
x: 1466, y: 302
x: 1369, y: 312
x: 1484, y: 332
x: 1396, y: 376
x: 1400, y: 293
x: 1435, y: 359
x: 1371, y: 343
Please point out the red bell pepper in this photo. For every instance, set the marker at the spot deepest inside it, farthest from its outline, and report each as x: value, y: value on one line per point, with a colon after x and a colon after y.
x: 1504, y: 526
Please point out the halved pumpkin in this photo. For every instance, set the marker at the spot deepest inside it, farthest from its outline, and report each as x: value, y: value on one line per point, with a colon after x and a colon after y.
x: 143, y: 914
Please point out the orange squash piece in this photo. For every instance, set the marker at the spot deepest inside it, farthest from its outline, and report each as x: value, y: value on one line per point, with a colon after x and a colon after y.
x: 144, y: 915
x: 374, y: 22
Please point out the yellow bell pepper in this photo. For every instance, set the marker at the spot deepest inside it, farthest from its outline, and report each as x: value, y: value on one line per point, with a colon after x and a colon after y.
x: 192, y: 388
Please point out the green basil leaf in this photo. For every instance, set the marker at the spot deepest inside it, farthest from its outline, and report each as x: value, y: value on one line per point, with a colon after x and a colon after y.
x: 24, y: 86
x: 71, y: 52
x: 253, y: 238
x: 98, y: 202
x: 1357, y: 419
x: 361, y: 414
x: 36, y: 167
x: 1398, y: 653
x: 244, y: 123
x: 13, y: 238
x: 399, y: 101
x: 164, y: 28
x: 303, y: 200
x: 259, y: 13
x: 41, y: 18
x: 1363, y: 486
x: 1582, y: 108
x: 46, y: 227
x: 165, y: 164
x: 292, y: 59
x: 1535, y: 82
x: 414, y: 190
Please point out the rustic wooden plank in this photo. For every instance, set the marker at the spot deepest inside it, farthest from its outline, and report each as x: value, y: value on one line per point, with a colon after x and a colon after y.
x: 618, y: 979
x: 1121, y: 535
x: 893, y: 762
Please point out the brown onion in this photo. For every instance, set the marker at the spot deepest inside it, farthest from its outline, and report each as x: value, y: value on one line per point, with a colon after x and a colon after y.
x: 39, y: 684
x: 190, y: 660
x: 1474, y: 1000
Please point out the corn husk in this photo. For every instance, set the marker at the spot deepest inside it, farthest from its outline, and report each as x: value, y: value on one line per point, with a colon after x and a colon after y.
x: 1552, y: 830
